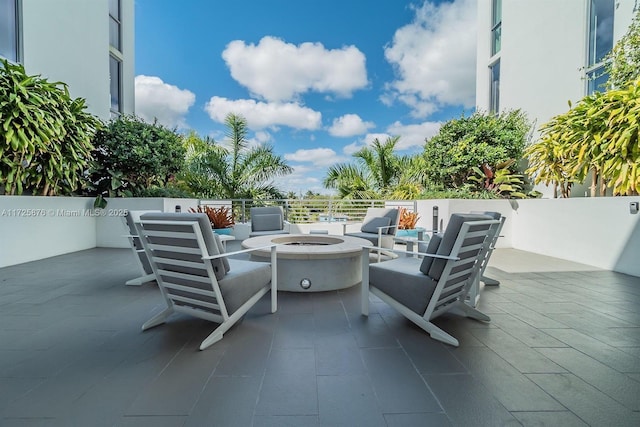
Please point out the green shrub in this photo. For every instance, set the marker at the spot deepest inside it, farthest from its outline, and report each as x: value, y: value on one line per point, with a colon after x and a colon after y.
x: 132, y: 156
x: 45, y: 135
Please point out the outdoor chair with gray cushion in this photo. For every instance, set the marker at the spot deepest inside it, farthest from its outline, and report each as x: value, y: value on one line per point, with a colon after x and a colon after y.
x: 197, y: 277
x: 267, y: 220
x: 146, y: 272
x: 424, y: 288
x: 379, y: 226
x: 490, y: 245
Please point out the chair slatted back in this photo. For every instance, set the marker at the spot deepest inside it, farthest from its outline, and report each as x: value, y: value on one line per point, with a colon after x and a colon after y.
x: 187, y: 281
x: 456, y: 277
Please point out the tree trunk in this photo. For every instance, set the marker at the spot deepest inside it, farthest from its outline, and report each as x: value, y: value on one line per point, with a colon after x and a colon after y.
x: 594, y: 182
x: 603, y: 187
x: 555, y: 190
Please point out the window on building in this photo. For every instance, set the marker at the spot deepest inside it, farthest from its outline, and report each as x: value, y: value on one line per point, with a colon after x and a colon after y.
x: 601, y: 14
x: 600, y: 30
x: 494, y: 100
x: 115, y: 79
x: 496, y: 26
x: 114, y: 24
x: 9, y: 30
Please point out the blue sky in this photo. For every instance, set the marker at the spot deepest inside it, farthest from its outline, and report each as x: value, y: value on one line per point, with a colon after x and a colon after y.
x: 316, y: 79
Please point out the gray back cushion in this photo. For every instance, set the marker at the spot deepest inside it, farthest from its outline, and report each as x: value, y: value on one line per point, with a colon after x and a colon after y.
x: 262, y: 222
x: 432, y: 248
x: 266, y: 222
x: 391, y: 213
x: 371, y: 225
x: 211, y: 240
x: 448, y: 240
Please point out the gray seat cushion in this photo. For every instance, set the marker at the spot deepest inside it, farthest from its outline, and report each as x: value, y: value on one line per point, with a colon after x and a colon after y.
x: 243, y: 281
x: 267, y: 233
x: 373, y: 238
x: 403, y: 281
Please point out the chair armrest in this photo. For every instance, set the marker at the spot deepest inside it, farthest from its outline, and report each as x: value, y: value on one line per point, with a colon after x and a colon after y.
x: 226, y: 254
x: 400, y: 251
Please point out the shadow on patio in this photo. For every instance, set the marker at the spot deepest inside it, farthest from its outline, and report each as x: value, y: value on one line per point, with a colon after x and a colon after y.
x: 563, y: 348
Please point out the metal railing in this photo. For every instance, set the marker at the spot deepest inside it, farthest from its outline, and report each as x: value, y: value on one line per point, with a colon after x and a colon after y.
x: 307, y: 211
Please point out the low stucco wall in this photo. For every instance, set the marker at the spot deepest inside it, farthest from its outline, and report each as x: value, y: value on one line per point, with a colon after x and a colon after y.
x: 37, y: 227
x: 598, y: 231
x: 595, y: 231
x: 33, y: 228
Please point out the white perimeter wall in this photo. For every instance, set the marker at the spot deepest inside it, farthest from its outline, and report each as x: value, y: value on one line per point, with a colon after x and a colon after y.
x: 33, y: 228
x: 595, y: 231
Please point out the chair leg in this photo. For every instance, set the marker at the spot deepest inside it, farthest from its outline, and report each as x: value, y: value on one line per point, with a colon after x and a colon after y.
x: 138, y: 281
x: 471, y: 312
x: 213, y: 338
x: 364, y: 287
x: 274, y: 280
x: 158, y: 319
x: 489, y: 281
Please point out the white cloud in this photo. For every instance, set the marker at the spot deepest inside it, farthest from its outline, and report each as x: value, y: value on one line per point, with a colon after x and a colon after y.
x: 367, y: 140
x: 278, y: 71
x: 260, y: 115
x: 413, y: 135
x: 434, y: 58
x: 349, y: 125
x: 319, y: 157
x: 167, y: 103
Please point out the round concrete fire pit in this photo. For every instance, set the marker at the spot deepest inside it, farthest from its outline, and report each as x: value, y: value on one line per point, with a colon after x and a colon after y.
x: 313, y: 263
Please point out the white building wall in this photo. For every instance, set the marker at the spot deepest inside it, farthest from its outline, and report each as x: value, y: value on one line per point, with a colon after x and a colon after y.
x: 542, y: 58
x: 68, y: 41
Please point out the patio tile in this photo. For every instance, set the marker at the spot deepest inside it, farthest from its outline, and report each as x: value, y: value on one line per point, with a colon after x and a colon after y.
x: 467, y: 402
x: 400, y: 389
x: 543, y: 419
x: 563, y: 348
x: 585, y: 401
x: 609, y: 381
x: 348, y: 401
x: 418, y: 420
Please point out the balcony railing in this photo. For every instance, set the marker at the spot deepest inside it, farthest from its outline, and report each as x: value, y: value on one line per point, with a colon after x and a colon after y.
x: 307, y: 211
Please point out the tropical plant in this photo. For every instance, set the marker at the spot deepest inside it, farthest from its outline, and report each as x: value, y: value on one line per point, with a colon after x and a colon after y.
x: 132, y: 156
x: 499, y: 180
x: 471, y: 142
x: 45, y: 135
x: 378, y: 173
x: 549, y: 164
x: 408, y: 220
x: 219, y: 217
x: 623, y: 62
x: 597, y: 136
x: 233, y: 170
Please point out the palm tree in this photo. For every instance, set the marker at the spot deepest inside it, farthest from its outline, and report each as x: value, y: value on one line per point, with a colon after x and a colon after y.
x: 234, y: 170
x: 377, y: 173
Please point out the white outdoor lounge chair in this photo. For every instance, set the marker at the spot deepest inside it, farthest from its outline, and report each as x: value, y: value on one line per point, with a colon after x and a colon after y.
x: 422, y: 289
x: 379, y: 226
x: 490, y: 245
x: 146, y: 272
x: 196, y: 277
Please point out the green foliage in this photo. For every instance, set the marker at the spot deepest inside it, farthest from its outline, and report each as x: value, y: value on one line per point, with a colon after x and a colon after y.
x: 234, y: 170
x: 378, y: 173
x: 132, y: 156
x: 45, y: 135
x: 623, y: 62
x: 473, y: 142
x: 598, y: 135
x: 500, y: 181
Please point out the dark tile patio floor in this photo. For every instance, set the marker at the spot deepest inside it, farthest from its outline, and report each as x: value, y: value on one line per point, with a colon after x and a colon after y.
x: 562, y: 349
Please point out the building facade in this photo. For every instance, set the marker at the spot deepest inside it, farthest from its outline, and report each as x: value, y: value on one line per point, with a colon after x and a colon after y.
x: 539, y: 55
x: 87, y: 44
